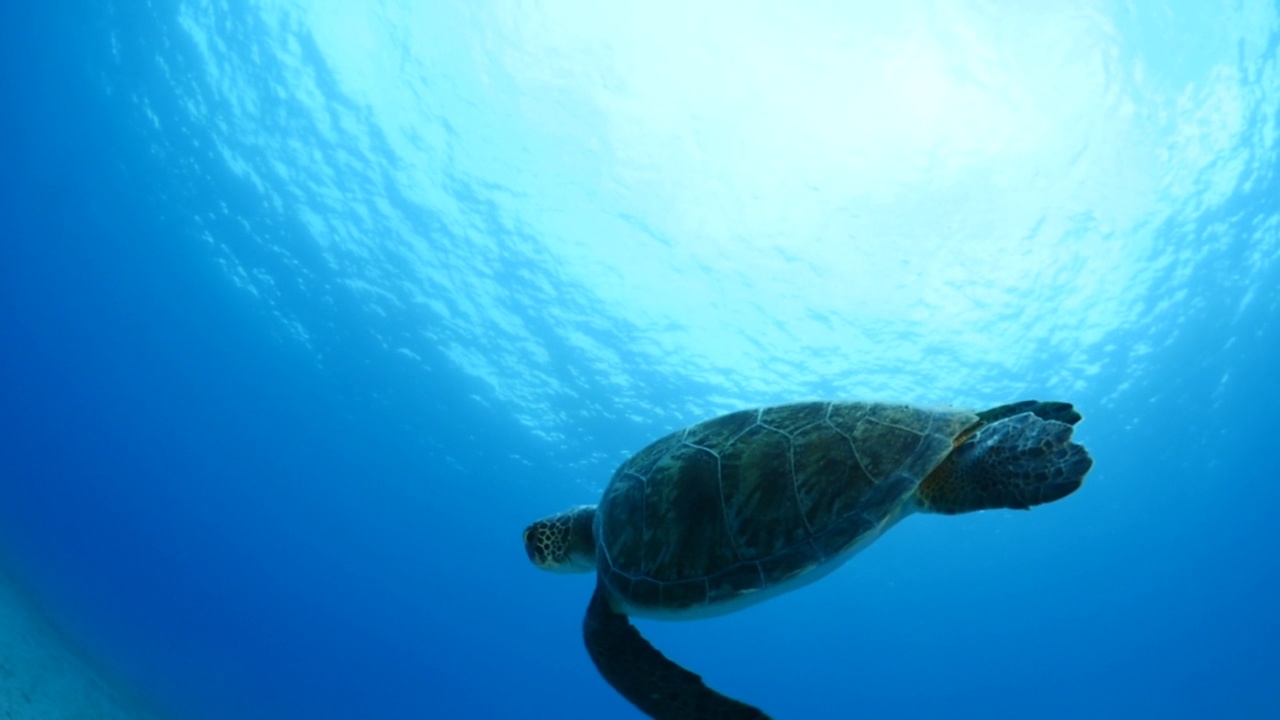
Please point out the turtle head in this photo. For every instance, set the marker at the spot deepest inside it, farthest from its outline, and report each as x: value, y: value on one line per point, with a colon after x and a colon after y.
x: 564, y: 542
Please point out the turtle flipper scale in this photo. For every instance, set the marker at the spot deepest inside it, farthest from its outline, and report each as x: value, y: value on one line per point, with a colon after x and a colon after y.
x: 657, y: 686
x: 1015, y: 462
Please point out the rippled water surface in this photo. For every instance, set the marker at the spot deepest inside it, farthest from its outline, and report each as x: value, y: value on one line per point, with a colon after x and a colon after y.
x: 745, y: 204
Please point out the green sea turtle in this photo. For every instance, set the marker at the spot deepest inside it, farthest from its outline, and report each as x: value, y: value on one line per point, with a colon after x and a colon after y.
x: 749, y: 505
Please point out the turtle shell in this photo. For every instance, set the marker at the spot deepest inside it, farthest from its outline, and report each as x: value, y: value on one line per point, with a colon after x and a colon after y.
x: 753, y: 499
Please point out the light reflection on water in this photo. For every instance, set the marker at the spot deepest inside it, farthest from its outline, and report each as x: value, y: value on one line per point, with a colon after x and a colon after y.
x: 657, y: 213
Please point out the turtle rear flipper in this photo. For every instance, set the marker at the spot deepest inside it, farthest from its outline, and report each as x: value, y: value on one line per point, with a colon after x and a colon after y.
x: 1015, y: 462
x: 654, y: 684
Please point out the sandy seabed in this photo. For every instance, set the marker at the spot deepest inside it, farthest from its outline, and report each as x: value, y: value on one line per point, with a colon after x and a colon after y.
x: 42, y: 677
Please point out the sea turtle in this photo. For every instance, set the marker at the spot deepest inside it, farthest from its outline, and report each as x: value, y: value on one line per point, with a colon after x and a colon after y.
x: 738, y: 509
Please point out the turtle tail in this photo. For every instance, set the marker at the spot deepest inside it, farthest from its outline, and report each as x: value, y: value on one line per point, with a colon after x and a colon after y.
x: 1017, y: 460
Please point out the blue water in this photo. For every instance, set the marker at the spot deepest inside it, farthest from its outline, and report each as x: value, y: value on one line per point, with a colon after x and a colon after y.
x: 307, y: 308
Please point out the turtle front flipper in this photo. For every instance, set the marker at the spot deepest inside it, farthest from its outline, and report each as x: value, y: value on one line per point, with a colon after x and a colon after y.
x: 1059, y: 411
x: 658, y: 687
x: 1015, y: 462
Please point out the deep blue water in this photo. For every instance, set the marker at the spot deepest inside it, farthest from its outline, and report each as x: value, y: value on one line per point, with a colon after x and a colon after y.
x: 306, y: 312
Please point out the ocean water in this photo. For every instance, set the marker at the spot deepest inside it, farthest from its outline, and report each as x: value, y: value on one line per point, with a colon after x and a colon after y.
x: 307, y: 308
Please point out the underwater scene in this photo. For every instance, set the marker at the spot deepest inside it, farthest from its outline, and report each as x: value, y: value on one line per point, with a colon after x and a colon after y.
x: 551, y: 359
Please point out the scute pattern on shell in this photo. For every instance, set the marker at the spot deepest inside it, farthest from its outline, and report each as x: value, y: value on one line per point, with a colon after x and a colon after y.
x: 753, y: 498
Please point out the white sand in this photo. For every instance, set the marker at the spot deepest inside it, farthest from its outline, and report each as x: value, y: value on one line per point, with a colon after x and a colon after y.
x: 42, y: 677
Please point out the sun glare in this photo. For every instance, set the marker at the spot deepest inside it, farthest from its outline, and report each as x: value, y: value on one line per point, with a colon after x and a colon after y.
x: 765, y: 198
